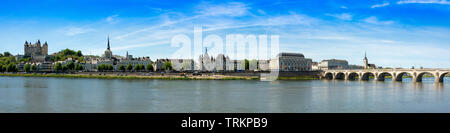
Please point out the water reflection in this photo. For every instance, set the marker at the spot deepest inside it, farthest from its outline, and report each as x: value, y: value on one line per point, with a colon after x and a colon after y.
x: 19, y: 94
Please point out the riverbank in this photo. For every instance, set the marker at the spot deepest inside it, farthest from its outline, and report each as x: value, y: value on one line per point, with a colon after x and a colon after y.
x: 171, y: 77
x: 158, y: 77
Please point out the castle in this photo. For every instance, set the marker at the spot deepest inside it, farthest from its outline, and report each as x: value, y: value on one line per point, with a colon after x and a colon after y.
x: 36, y: 51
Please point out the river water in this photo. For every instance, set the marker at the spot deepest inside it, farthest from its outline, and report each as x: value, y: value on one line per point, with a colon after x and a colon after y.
x: 65, y: 95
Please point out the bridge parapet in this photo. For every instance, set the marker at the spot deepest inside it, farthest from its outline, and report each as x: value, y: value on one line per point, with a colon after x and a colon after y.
x: 380, y: 74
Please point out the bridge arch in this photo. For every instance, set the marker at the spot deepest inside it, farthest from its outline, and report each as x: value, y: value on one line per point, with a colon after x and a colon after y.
x: 328, y: 76
x: 382, y: 76
x: 340, y: 75
x: 442, y: 76
x: 399, y: 76
x: 352, y: 76
x: 366, y: 76
x: 420, y: 76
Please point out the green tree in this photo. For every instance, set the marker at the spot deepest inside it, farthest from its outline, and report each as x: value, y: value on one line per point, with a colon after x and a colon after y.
x: 67, y: 52
x: 1, y: 68
x: 167, y: 65
x: 110, y: 67
x: 33, y: 68
x: 80, y: 59
x: 11, y: 67
x: 70, y: 65
x: 121, y: 67
x: 27, y: 68
x: 140, y: 67
x: 149, y: 67
x: 101, y: 67
x: 247, y: 64
x: 7, y: 54
x: 129, y: 67
x: 57, y: 67
x: 79, y: 54
x: 137, y: 67
x: 65, y: 68
x: 78, y: 66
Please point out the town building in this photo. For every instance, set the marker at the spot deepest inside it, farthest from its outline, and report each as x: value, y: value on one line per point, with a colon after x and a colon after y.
x: 333, y: 64
x: 182, y: 64
x: 264, y: 65
x: 291, y: 62
x: 315, y: 66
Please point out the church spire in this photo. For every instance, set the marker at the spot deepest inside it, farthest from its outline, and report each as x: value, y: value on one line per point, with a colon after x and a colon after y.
x: 108, y: 43
x: 365, y: 55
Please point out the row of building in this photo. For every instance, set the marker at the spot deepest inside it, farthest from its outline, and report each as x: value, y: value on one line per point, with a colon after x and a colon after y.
x: 282, y: 62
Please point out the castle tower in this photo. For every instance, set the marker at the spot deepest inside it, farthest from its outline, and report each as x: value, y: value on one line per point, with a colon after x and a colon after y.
x: 365, y: 61
x: 45, y: 49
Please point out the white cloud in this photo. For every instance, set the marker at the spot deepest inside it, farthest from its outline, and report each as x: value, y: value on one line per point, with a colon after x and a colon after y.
x: 111, y: 19
x: 72, y: 31
x: 380, y: 5
x: 343, y: 16
x: 374, y: 20
x: 444, y: 2
x: 228, y: 9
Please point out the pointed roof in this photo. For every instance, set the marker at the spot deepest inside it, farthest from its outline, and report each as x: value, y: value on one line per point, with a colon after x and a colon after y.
x: 108, y: 43
x: 365, y: 55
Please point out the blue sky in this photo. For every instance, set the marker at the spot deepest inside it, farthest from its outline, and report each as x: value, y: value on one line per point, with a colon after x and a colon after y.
x: 397, y: 33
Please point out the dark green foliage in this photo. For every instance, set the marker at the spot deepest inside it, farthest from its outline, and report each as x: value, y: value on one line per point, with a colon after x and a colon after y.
x: 79, y: 54
x: 105, y: 67
x: 247, y: 64
x: 27, y: 68
x: 7, y: 54
x: 11, y: 68
x: 33, y: 68
x: 57, y: 67
x: 121, y: 67
x: 78, y: 66
x: 167, y: 65
x: 70, y: 65
x: 67, y: 53
x: 129, y: 67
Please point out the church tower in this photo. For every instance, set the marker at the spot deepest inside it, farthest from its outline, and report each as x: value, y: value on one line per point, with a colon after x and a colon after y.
x: 108, y: 52
x: 365, y: 61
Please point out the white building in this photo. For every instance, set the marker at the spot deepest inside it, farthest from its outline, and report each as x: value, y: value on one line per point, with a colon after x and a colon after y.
x: 182, y: 64
x: 264, y: 65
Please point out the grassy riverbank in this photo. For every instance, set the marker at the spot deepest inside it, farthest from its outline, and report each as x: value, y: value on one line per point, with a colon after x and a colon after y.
x: 132, y: 77
x: 217, y: 77
x: 299, y: 78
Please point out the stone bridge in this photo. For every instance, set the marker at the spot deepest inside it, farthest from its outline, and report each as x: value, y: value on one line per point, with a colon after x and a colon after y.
x: 379, y: 74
